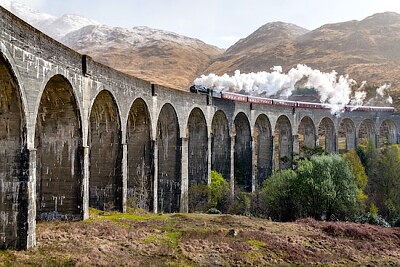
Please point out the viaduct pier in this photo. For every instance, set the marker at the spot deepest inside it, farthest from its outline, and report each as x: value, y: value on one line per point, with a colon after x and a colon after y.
x: 76, y: 134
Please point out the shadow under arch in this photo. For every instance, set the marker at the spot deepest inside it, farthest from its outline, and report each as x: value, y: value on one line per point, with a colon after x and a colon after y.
x: 283, y: 143
x: 14, y: 160
x: 243, y: 152
x: 105, y: 182
x: 346, y: 135
x: 262, y: 137
x: 221, y: 145
x: 140, y: 185
x: 169, y: 160
x: 58, y: 140
x: 306, y: 135
x: 387, y: 133
x: 327, y: 135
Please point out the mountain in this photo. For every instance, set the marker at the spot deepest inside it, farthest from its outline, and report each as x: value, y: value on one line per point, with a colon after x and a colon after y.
x: 158, y: 56
x: 366, y: 50
x: 55, y: 27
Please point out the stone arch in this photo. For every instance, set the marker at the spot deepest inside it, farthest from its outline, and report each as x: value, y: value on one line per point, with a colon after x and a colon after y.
x: 387, y: 133
x: 327, y: 135
x: 221, y: 145
x: 14, y: 160
x: 346, y: 135
x: 243, y: 152
x: 198, y: 147
x: 366, y: 131
x: 283, y: 143
x: 58, y: 140
x: 262, y: 137
x: 140, y: 187
x: 169, y: 160
x: 197, y: 155
x: 105, y: 182
x: 306, y: 134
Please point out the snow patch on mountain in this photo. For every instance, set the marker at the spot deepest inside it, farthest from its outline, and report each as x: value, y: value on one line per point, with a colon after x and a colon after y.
x: 107, y: 36
x: 56, y: 27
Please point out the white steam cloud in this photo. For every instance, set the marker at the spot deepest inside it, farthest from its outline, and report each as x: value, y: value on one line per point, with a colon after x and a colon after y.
x: 335, y: 92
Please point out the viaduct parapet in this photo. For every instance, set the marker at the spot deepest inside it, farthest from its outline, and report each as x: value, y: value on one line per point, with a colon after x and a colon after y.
x: 76, y: 134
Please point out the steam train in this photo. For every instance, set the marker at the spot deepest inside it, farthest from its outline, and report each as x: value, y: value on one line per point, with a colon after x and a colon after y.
x: 280, y: 102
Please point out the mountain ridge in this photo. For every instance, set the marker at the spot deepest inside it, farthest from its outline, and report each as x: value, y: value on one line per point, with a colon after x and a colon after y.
x: 366, y: 50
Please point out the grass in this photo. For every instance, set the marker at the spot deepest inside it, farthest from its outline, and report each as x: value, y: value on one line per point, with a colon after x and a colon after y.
x: 143, y: 239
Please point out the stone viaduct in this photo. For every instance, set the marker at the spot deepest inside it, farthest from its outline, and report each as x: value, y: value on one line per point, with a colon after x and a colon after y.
x: 76, y: 134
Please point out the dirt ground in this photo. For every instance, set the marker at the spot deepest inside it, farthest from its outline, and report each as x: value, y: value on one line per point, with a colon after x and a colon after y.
x: 114, y: 239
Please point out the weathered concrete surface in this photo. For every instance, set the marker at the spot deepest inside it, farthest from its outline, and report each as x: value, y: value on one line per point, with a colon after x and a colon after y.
x: 75, y: 133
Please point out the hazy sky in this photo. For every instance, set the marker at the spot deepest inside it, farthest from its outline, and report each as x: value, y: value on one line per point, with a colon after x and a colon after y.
x: 217, y: 22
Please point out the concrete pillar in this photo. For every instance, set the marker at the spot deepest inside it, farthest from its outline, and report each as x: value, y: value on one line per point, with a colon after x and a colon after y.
x: 31, y: 220
x: 232, y: 172
x: 377, y: 140
x: 209, y: 158
x: 254, y: 165
x: 124, y: 176
x: 85, y: 183
x: 272, y: 155
x: 296, y: 145
x: 184, y: 176
x: 155, y: 167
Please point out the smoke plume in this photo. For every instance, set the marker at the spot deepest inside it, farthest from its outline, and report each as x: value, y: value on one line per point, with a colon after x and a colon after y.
x: 334, y: 91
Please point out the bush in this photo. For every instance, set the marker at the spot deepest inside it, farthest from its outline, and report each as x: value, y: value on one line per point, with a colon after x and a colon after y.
x: 199, y: 196
x: 279, y: 193
x: 372, y: 219
x: 241, y: 204
x: 213, y: 211
x: 220, y: 192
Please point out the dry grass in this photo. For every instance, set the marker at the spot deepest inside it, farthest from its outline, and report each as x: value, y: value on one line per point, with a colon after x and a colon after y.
x: 138, y: 239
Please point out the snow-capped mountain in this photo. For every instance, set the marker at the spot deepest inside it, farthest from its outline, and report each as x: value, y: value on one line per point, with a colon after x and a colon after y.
x: 54, y: 26
x: 107, y: 36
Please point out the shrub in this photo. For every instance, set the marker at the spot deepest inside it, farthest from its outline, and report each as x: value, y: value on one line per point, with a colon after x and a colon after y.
x: 241, y: 204
x: 279, y: 195
x: 220, y: 192
x: 199, y: 196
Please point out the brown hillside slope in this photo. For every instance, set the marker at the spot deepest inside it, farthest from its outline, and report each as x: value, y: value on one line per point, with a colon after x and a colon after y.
x: 158, y: 56
x: 206, y: 240
x: 366, y: 50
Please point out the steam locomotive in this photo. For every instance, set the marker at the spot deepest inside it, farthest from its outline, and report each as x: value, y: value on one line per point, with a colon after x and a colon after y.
x: 280, y: 102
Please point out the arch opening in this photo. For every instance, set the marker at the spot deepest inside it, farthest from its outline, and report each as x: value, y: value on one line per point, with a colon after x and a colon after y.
x: 366, y: 132
x: 14, y: 162
x: 197, y: 157
x: 327, y: 135
x: 387, y: 133
x: 306, y: 135
x: 140, y: 192
x: 58, y: 142
x: 283, y: 144
x: 169, y: 160
x: 105, y: 183
x: 262, y: 149
x: 221, y: 145
x: 243, y: 152
x: 346, y: 135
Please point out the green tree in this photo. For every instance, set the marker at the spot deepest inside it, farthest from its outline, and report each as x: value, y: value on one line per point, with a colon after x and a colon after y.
x: 220, y: 192
x: 361, y: 177
x: 279, y: 193
x: 328, y: 186
x: 384, y: 181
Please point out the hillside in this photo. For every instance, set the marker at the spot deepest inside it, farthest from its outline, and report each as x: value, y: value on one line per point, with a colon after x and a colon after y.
x: 158, y: 56
x: 366, y: 50
x: 206, y: 240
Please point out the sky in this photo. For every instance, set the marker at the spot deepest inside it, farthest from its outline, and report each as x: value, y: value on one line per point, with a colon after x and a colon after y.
x: 217, y: 22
